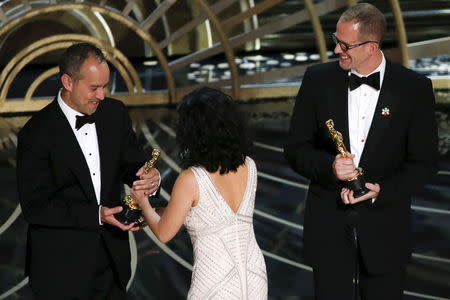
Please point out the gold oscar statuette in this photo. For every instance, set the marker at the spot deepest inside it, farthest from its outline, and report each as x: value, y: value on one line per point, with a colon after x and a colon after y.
x: 131, y: 212
x: 357, y: 183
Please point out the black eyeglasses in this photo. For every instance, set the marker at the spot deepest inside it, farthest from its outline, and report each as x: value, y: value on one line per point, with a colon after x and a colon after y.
x: 345, y: 47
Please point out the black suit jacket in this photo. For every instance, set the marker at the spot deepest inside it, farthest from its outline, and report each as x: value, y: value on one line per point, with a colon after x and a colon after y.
x: 58, y: 200
x: 400, y: 154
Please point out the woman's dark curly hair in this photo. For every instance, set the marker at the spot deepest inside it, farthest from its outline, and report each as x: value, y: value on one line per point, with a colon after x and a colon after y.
x: 211, y: 132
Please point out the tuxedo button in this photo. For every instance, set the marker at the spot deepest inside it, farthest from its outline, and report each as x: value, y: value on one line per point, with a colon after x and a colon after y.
x: 363, y: 118
x: 93, y: 174
x: 362, y: 141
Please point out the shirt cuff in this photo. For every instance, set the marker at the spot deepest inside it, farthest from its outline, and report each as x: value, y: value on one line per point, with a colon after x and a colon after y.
x: 99, y: 215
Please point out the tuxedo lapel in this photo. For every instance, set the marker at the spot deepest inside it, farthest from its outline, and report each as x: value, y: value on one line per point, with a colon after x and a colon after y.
x: 69, y: 148
x: 339, y: 104
x: 105, y: 148
x: 380, y: 122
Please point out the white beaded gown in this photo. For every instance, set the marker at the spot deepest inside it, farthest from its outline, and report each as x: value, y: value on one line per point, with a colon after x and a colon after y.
x: 228, y: 263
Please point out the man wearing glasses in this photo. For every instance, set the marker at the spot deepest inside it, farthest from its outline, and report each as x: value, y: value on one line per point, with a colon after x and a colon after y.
x: 386, y: 116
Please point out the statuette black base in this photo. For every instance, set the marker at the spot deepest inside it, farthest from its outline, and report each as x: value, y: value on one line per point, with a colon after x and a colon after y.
x: 358, y: 186
x: 129, y: 215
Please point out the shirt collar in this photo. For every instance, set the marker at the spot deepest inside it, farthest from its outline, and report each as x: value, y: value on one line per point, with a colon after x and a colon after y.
x: 381, y: 68
x: 69, y: 112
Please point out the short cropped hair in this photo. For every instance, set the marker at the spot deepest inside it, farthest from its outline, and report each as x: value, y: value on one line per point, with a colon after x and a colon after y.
x: 372, y: 23
x: 211, y: 131
x: 73, y: 58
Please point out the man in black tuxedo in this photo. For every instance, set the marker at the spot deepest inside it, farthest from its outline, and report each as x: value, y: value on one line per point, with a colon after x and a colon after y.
x: 388, y: 124
x: 72, y: 157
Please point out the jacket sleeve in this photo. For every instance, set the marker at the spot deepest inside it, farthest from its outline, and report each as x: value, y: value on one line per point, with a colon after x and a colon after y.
x: 301, y: 150
x: 39, y: 196
x: 421, y: 154
x: 133, y: 156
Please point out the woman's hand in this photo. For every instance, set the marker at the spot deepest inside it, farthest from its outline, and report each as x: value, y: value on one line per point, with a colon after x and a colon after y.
x: 148, y: 182
x: 141, y: 197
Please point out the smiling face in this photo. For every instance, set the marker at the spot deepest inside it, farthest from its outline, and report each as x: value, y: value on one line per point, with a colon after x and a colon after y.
x: 84, y: 92
x: 359, y: 58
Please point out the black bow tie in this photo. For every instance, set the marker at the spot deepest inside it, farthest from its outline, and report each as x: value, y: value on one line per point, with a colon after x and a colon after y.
x: 354, y: 81
x: 81, y: 120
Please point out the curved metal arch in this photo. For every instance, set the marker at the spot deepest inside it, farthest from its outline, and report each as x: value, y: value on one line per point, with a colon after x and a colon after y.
x: 401, y: 31
x: 60, y: 41
x: 34, y: 85
x: 42, y: 77
x: 116, y: 15
x: 250, y: 24
x: 17, y: 67
x: 226, y: 46
x: 95, y: 24
x: 318, y: 31
x: 136, y: 8
x: 97, y: 29
x: 149, y: 21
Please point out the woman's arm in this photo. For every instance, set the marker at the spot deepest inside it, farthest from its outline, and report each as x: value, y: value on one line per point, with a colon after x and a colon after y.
x: 184, y: 195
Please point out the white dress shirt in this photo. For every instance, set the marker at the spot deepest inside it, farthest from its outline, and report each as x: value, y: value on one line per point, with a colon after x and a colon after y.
x: 362, y: 102
x: 87, y: 139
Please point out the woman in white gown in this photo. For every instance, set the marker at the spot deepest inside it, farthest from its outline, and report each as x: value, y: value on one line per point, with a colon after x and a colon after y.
x: 214, y: 197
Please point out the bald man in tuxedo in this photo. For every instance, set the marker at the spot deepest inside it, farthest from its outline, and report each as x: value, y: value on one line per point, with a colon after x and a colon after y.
x: 72, y: 158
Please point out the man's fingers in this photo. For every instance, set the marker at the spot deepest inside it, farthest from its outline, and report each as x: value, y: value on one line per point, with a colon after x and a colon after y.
x: 370, y: 195
x: 150, y: 182
x: 127, y: 227
x: 140, y: 172
x: 344, y: 195
x: 367, y: 196
x: 343, y: 175
x: 351, y: 199
x: 150, y: 188
x: 113, y: 221
x: 373, y: 187
x: 136, y: 228
x: 153, y: 173
x: 113, y: 210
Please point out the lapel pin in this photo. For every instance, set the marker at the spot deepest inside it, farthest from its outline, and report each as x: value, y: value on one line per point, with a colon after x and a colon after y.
x: 385, y: 111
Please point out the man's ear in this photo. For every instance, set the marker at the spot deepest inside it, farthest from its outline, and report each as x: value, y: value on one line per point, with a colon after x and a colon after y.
x: 67, y: 82
x: 373, y: 47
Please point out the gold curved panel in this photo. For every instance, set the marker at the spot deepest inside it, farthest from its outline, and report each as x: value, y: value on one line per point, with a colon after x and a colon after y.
x: 226, y: 46
x: 429, y: 48
x: 441, y: 83
x: 22, y: 106
x: 59, y: 42
x: 147, y: 38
